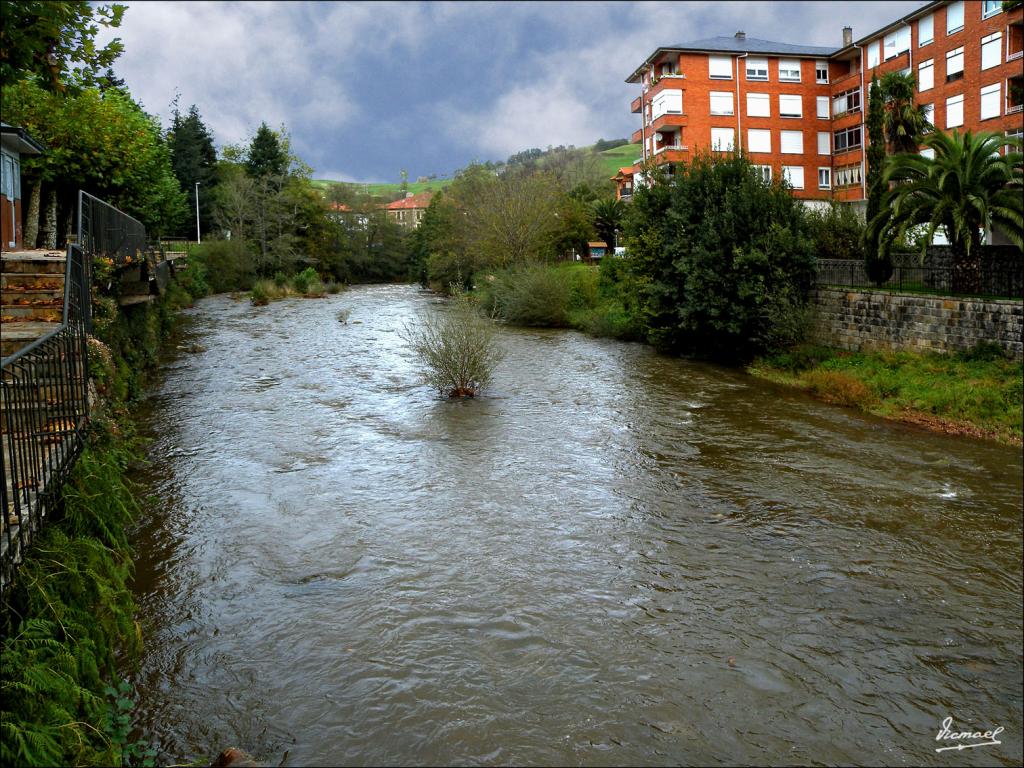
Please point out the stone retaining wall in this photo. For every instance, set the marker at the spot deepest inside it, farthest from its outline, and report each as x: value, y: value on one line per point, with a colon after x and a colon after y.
x: 857, y: 319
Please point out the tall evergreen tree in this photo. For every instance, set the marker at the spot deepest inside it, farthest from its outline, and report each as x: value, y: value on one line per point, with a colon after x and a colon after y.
x: 266, y: 155
x: 194, y: 158
x: 877, y: 261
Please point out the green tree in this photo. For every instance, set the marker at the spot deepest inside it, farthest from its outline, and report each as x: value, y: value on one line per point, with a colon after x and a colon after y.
x: 266, y: 157
x: 721, y: 257
x: 55, y: 42
x: 877, y: 262
x: 194, y: 159
x: 608, y: 215
x: 967, y: 188
x: 904, y: 121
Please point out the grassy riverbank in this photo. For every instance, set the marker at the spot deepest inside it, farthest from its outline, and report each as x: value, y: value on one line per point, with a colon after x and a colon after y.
x: 70, y: 636
x: 979, y: 393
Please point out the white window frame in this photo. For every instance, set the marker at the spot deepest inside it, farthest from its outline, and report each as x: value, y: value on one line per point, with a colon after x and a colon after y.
x: 720, y: 108
x: 757, y: 100
x: 955, y: 106
x: 952, y: 57
x: 929, y: 67
x: 821, y: 66
x: 787, y: 65
x: 824, y: 142
x: 823, y: 107
x: 828, y: 178
x: 794, y: 101
x: 665, y: 103
x: 788, y: 173
x: 791, y: 142
x: 757, y: 65
x: 992, y: 96
x: 928, y: 152
x: 994, y: 6
x: 954, y: 17
x: 873, y: 54
x: 721, y: 146
x: 926, y: 30
x: 765, y: 172
x: 755, y: 140
x: 720, y: 67
x: 994, y: 42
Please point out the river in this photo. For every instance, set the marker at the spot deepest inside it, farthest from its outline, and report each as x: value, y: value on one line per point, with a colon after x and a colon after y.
x: 613, y: 558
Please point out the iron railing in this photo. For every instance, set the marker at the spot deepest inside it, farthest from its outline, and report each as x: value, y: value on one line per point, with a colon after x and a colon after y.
x: 993, y: 280
x: 44, y: 406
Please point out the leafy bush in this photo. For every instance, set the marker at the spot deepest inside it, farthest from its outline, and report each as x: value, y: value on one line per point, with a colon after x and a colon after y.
x: 722, y: 258
x: 280, y: 279
x: 305, y: 280
x: 839, y: 388
x: 836, y: 232
x: 227, y: 265
x: 457, y: 348
x: 260, y: 295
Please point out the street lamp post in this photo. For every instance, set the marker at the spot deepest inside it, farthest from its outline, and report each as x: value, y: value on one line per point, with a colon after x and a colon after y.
x: 199, y: 235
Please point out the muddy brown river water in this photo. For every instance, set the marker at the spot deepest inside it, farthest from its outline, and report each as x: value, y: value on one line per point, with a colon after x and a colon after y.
x: 612, y: 558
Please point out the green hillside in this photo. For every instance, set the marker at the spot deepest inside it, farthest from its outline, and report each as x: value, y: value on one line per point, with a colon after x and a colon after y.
x: 611, y: 160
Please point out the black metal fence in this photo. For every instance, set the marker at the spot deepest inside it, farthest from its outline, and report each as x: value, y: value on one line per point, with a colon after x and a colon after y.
x: 1004, y: 280
x: 104, y: 232
x: 44, y: 406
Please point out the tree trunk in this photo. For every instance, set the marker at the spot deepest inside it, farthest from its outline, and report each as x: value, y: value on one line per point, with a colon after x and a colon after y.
x: 50, y: 227
x: 31, y: 231
x: 967, y: 268
x: 68, y: 221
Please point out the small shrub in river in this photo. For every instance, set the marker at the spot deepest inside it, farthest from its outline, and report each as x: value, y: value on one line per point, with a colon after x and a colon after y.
x: 839, y: 388
x: 306, y: 280
x: 260, y: 295
x: 280, y: 279
x: 457, y: 348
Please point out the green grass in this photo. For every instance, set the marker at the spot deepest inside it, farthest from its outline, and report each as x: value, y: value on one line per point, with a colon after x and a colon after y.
x: 611, y: 160
x: 979, y: 392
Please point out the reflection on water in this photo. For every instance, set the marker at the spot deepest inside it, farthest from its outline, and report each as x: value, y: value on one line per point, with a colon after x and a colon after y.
x: 614, y: 558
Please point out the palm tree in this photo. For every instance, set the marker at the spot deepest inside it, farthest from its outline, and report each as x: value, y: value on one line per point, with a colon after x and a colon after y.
x: 608, y: 213
x: 966, y: 188
x: 904, y: 122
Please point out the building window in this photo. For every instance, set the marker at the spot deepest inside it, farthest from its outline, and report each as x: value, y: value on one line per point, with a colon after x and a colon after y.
x: 925, y: 30
x: 928, y: 152
x: 764, y: 171
x: 759, y: 140
x: 991, y: 50
x: 822, y: 106
x: 794, y: 175
x: 991, y: 8
x: 929, y: 113
x: 926, y: 75
x: 847, y: 101
x: 848, y: 138
x: 896, y: 43
x: 720, y: 67
x: 821, y: 71
x: 824, y: 142
x: 824, y: 178
x: 955, y: 111
x: 848, y: 175
x: 759, y: 105
x: 757, y: 69
x: 955, y: 64
x: 667, y: 102
x: 1014, y: 94
x: 789, y: 70
x: 790, y: 106
x: 722, y: 139
x: 873, y: 54
x: 721, y: 103
x: 792, y: 142
x: 954, y: 17
x: 991, y: 101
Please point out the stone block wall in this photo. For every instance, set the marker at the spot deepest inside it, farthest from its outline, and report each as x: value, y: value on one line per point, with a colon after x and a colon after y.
x: 857, y: 319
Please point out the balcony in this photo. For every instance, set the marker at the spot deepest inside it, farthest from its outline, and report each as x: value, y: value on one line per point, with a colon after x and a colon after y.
x: 846, y: 82
x: 639, y: 135
x: 668, y: 120
x: 636, y: 105
x: 667, y: 82
x: 673, y: 153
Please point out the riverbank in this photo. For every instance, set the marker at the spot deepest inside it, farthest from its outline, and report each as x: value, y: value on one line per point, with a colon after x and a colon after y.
x: 976, y: 394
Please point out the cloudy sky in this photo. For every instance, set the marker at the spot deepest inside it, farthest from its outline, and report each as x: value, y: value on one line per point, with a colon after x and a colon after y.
x: 366, y: 89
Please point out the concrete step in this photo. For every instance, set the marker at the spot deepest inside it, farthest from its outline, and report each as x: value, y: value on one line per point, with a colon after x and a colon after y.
x: 42, y: 311
x: 20, y: 333
x: 31, y: 281
x: 42, y: 261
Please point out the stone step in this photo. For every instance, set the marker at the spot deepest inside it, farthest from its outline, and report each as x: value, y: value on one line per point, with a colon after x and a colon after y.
x: 31, y: 281
x: 48, y: 262
x: 47, y: 311
x: 17, y: 334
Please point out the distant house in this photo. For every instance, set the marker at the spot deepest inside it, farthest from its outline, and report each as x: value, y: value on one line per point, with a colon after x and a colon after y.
x: 624, y: 183
x: 14, y: 142
x: 409, y: 211
x: 596, y: 251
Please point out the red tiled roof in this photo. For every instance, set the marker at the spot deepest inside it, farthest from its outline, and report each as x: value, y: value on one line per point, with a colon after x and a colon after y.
x: 340, y: 207
x: 422, y: 200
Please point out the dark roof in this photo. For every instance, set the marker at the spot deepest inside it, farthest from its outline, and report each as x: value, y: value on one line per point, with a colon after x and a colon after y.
x: 733, y: 44
x: 17, y: 140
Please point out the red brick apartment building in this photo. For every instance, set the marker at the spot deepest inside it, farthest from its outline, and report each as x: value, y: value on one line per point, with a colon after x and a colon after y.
x: 799, y: 110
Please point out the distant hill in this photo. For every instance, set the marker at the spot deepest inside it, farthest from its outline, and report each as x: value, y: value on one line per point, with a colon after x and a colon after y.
x: 611, y: 160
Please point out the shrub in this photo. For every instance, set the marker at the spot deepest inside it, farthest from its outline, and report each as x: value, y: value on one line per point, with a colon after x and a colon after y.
x: 839, y: 388
x: 280, y: 279
x: 457, y: 348
x: 227, y: 265
x: 260, y: 295
x: 305, y: 280
x: 836, y: 232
